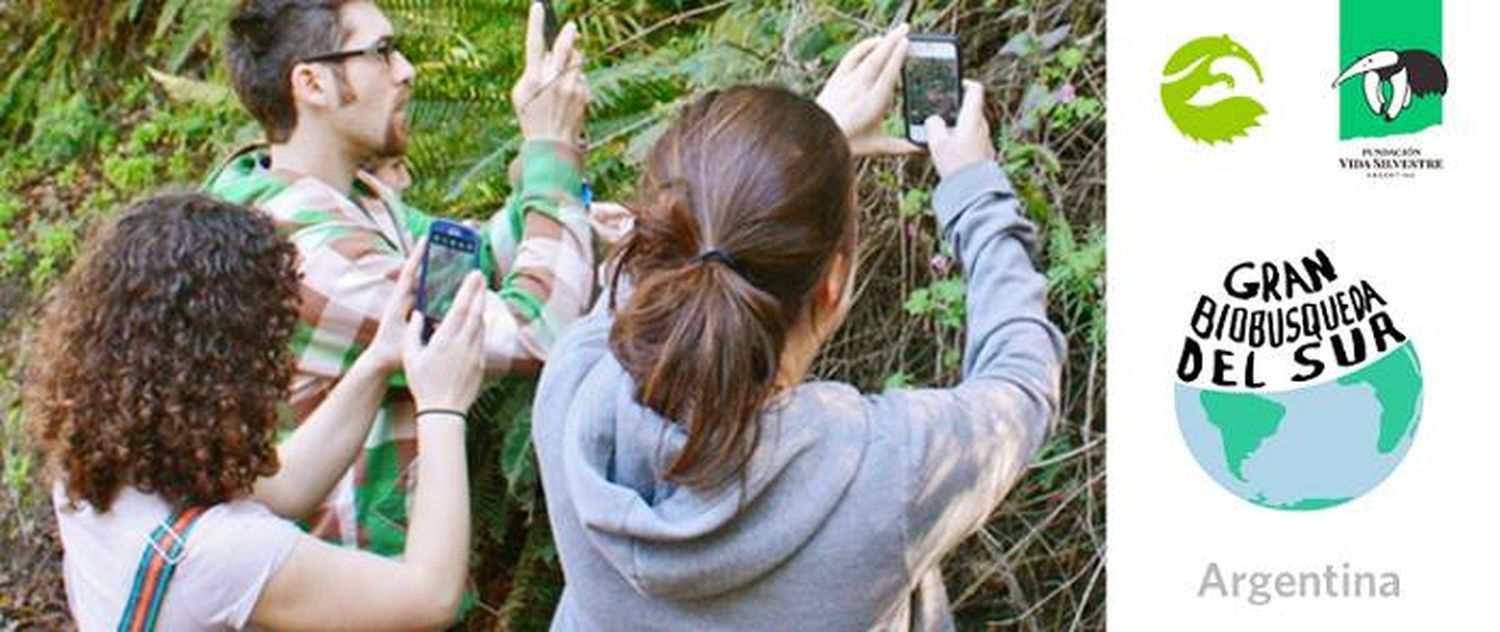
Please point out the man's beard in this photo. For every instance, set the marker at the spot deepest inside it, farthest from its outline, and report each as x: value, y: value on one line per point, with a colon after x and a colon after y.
x: 397, y: 133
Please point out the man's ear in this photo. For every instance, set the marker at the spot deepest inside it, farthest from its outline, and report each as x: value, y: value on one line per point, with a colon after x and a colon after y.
x: 313, y: 86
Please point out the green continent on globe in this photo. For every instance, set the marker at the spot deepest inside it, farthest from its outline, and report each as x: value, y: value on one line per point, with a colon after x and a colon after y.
x: 1397, y: 381
x: 1245, y: 420
x: 1308, y: 504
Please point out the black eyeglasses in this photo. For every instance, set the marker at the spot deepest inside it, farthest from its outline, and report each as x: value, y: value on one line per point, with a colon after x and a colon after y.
x: 383, y: 48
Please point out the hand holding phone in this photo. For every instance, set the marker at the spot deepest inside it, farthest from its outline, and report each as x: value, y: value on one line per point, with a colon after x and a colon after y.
x: 549, y: 23
x: 861, y: 91
x: 552, y: 94
x: 452, y: 253
x: 445, y: 366
x: 930, y: 79
x: 384, y: 349
x: 965, y: 143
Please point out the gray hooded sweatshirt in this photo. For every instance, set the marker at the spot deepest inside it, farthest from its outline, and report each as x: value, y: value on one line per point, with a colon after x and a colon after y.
x: 848, y: 503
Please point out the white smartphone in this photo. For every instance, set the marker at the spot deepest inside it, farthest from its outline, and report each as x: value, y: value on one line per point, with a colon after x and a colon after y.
x: 930, y: 82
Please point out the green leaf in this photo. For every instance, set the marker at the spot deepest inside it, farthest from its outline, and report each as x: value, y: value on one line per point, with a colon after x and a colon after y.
x: 949, y: 290
x: 19, y: 463
x: 914, y: 202
x: 515, y: 453
x: 188, y: 90
x: 952, y: 358
x: 1070, y: 57
x: 919, y: 302
x: 899, y: 379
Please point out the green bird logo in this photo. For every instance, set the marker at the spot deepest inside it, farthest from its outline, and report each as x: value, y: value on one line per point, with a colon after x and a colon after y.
x: 1189, y: 71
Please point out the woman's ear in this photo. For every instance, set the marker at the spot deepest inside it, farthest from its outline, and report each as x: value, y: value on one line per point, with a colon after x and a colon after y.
x: 836, y: 291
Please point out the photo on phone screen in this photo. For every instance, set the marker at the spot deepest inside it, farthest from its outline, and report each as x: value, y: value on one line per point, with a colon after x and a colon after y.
x: 452, y: 252
x: 930, y: 78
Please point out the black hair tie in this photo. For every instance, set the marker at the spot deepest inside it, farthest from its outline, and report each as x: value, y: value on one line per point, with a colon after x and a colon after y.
x: 714, y: 254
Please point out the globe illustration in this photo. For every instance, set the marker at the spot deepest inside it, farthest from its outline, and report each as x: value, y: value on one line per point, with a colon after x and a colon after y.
x: 1308, y: 448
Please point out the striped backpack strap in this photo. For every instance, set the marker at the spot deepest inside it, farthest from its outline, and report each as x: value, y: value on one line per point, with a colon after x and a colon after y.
x: 164, y: 550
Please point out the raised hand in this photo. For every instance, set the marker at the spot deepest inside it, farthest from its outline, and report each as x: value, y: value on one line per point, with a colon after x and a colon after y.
x: 552, y: 94
x: 968, y: 141
x: 861, y: 90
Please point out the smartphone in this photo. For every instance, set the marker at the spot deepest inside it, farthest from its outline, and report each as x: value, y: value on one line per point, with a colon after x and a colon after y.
x: 930, y: 82
x: 549, y: 23
x: 452, y: 252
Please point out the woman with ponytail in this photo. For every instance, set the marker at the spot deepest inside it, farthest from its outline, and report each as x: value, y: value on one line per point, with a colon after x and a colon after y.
x: 694, y: 478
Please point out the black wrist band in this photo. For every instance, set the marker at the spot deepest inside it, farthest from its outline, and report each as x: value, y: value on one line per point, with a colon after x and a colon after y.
x: 442, y: 411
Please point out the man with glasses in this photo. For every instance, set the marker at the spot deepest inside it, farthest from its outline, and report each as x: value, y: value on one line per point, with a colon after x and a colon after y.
x: 330, y: 88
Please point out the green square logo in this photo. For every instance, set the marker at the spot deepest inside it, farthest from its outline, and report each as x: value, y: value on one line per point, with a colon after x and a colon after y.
x: 1392, y: 79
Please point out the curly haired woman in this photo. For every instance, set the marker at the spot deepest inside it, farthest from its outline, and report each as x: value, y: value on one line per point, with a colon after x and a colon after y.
x: 156, y: 392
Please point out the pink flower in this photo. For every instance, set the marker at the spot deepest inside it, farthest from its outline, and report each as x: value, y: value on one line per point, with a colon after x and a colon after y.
x: 940, y: 265
x: 1067, y: 93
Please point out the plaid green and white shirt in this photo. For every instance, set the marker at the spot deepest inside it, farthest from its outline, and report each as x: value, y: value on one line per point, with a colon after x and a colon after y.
x: 536, y: 251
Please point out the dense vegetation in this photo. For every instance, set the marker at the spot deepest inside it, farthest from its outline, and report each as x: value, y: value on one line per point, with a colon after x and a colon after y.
x: 102, y: 101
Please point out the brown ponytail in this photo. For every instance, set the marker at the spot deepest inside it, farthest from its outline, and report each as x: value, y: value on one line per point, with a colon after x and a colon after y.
x: 762, y: 179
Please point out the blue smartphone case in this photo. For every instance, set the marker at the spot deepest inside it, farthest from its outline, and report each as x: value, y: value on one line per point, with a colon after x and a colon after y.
x: 445, y: 240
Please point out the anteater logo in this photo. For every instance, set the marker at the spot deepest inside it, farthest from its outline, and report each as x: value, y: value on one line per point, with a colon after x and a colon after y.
x: 1201, y: 64
x: 1392, y: 75
x: 1402, y: 74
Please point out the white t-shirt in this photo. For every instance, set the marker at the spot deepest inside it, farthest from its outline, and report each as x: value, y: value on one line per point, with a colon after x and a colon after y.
x: 230, y: 555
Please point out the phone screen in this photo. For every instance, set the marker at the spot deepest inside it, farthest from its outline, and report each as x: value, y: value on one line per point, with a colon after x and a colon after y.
x: 452, y: 252
x: 931, y: 84
x: 549, y: 23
